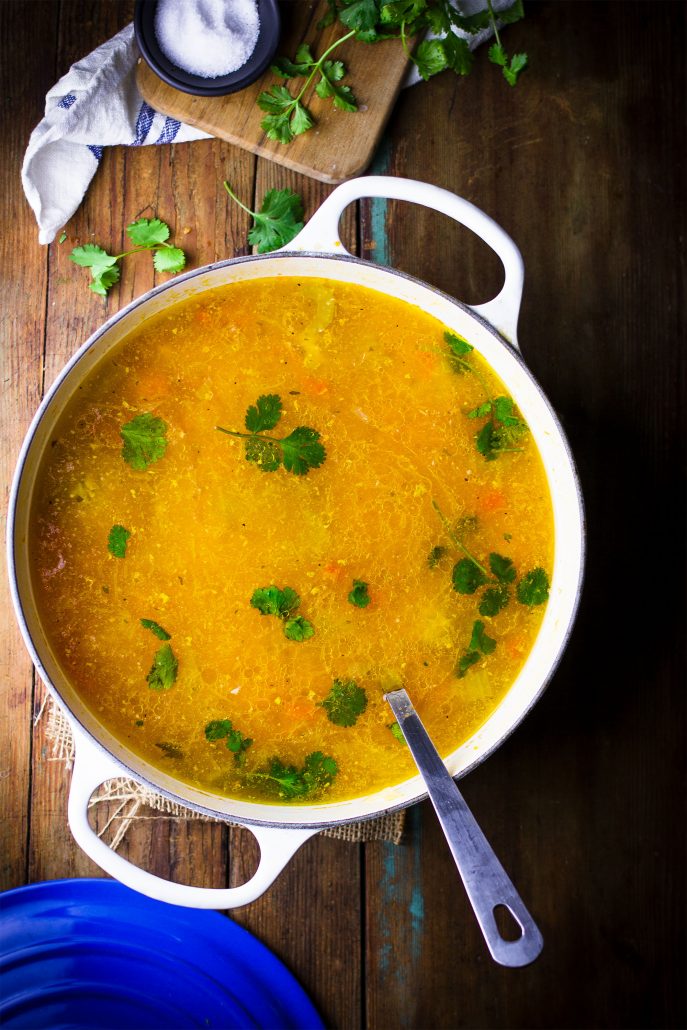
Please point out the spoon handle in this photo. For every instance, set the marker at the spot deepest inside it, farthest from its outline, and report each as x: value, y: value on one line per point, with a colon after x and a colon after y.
x: 486, y: 881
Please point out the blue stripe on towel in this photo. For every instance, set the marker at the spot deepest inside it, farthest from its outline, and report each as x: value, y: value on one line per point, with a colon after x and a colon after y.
x: 169, y: 131
x: 96, y: 151
x: 67, y: 100
x: 143, y: 123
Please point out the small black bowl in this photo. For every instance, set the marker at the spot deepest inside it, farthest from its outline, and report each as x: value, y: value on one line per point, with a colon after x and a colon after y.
x: 268, y: 40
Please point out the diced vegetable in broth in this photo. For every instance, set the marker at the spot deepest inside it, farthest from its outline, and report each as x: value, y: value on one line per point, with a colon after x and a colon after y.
x: 373, y: 513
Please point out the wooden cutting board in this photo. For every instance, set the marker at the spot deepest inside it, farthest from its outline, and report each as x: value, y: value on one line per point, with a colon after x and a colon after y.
x: 341, y: 144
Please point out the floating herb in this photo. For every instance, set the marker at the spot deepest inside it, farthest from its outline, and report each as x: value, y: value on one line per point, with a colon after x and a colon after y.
x: 479, y: 646
x: 283, y: 603
x: 288, y: 782
x: 533, y: 588
x: 164, y: 669
x: 117, y: 540
x: 156, y: 629
x: 344, y: 703
x: 222, y: 729
x: 144, y: 440
x: 298, y: 452
x: 359, y: 596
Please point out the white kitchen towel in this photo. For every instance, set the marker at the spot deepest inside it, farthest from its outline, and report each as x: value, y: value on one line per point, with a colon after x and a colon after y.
x: 97, y: 104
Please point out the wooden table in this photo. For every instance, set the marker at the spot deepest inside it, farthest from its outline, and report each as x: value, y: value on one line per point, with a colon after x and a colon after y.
x: 583, y: 165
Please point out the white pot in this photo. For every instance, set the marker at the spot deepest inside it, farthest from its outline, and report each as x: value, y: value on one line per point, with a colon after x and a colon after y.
x: 491, y: 329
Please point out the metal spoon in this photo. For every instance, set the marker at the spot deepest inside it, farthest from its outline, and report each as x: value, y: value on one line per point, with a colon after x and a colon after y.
x: 483, y: 876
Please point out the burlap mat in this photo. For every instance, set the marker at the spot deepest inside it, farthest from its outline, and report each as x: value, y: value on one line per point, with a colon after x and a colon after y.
x: 132, y: 801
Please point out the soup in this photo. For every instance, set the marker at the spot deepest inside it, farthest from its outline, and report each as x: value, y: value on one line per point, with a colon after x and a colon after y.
x: 269, y: 505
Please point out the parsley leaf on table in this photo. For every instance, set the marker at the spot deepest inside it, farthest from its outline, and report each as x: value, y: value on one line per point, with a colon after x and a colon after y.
x: 283, y: 603
x: 117, y: 540
x: 279, y: 219
x: 144, y: 440
x: 156, y: 629
x: 358, y: 596
x: 344, y: 702
x: 163, y: 672
x: 298, y: 452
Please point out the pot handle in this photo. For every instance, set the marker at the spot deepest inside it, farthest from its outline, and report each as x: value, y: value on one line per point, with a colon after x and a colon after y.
x: 93, y: 767
x: 322, y: 234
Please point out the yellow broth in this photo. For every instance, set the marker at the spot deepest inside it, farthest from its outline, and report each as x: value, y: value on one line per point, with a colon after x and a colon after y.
x: 375, y: 377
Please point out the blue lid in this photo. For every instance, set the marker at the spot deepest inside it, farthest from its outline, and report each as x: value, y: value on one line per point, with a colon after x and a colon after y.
x: 92, y: 953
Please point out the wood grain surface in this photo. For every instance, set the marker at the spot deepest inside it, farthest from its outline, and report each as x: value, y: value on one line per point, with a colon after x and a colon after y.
x: 584, y: 165
x: 339, y: 146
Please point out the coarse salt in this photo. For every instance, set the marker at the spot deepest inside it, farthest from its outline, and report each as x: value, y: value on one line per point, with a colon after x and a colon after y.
x: 208, y: 38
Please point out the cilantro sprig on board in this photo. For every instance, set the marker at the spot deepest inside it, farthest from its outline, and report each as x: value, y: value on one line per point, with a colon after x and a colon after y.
x: 145, y: 234
x: 289, y: 782
x: 298, y: 452
x: 277, y: 222
x: 286, y: 116
x: 283, y: 604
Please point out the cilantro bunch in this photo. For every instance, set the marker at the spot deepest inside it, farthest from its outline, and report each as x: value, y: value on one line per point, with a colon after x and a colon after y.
x: 145, y: 234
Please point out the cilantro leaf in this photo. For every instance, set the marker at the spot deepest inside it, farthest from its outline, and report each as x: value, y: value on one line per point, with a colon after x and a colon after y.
x: 397, y: 732
x: 301, y: 120
x: 222, y: 729
x: 275, y: 101
x: 277, y: 222
x: 164, y: 669
x: 288, y: 782
x: 459, y: 56
x: 502, y: 568
x: 488, y: 440
x: 169, y: 259
x: 146, y: 232
x: 344, y: 703
x: 457, y: 345
x: 467, y: 576
x: 273, y: 601
x: 359, y: 596
x: 91, y: 256
x: 302, y: 451
x: 480, y: 645
x: 298, y: 452
x: 117, y: 541
x: 361, y: 15
x: 480, y: 641
x: 106, y: 278
x: 264, y: 414
x: 156, y: 629
x: 430, y: 58
x: 494, y: 600
x: 265, y: 453
x: 468, y: 659
x: 218, y: 729
x: 533, y: 588
x: 144, y: 440
x: 298, y: 629
x: 435, y: 556
x: 283, y: 603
